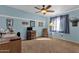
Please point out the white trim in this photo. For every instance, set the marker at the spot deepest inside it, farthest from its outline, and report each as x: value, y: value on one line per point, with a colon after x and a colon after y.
x: 13, y: 17
x: 7, y: 16
x: 66, y: 12
x: 71, y: 41
x: 65, y: 40
x: 71, y: 10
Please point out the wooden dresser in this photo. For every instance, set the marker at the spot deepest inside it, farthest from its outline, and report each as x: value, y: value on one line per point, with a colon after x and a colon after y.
x: 11, y: 46
x: 45, y: 32
x: 15, y: 46
x: 31, y: 34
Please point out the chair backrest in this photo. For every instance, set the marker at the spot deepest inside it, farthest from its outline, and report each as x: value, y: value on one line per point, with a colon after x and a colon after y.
x: 18, y: 34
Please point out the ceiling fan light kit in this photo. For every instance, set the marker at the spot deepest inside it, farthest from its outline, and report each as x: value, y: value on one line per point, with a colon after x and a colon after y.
x: 44, y: 9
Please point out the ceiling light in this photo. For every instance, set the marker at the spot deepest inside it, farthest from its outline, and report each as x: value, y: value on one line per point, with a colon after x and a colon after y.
x: 51, y: 24
x: 44, y: 11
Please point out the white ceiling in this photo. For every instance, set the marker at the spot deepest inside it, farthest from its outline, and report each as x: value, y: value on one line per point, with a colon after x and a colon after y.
x: 57, y: 8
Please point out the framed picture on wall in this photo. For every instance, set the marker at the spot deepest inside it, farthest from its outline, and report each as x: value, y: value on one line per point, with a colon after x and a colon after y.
x: 32, y: 23
x: 25, y: 23
x: 40, y: 24
x: 9, y: 23
x: 74, y: 23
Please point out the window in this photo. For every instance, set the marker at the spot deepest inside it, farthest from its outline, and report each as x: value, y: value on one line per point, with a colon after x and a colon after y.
x: 59, y: 24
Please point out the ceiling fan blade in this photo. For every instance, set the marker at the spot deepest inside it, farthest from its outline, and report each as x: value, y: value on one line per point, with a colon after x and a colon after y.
x: 50, y: 11
x: 48, y: 6
x: 37, y: 8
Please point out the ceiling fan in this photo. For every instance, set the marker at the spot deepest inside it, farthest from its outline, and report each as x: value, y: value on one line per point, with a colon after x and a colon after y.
x: 44, y: 9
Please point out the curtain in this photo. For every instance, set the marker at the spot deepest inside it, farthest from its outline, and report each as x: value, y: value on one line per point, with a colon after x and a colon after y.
x: 60, y: 24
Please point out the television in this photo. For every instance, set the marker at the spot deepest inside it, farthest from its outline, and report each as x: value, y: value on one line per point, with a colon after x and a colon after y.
x: 29, y: 28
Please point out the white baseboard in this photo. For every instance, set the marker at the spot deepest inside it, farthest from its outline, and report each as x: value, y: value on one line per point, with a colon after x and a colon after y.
x: 71, y: 41
x: 66, y: 40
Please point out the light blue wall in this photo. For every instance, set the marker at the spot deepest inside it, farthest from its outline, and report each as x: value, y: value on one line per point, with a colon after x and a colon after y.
x: 4, y: 10
x: 74, y: 31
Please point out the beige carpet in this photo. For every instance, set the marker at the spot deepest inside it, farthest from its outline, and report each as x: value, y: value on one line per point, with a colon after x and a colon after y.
x: 47, y: 45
